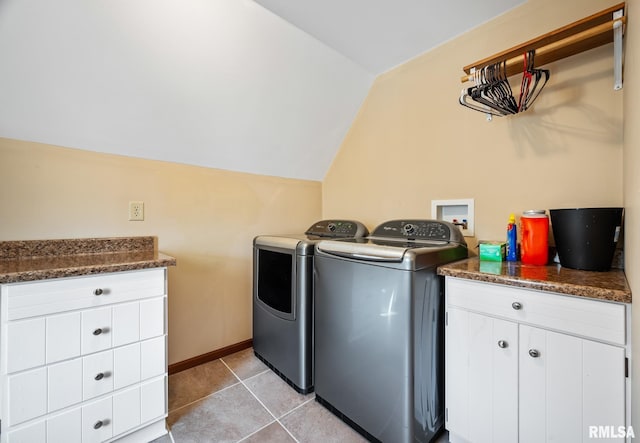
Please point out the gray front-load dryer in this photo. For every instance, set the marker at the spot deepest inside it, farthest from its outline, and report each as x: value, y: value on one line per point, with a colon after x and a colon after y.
x: 379, y: 337
x: 283, y: 299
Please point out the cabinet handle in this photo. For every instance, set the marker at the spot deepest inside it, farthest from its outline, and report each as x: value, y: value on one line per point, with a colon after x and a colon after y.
x: 98, y: 331
x: 534, y: 353
x: 98, y: 424
x: 98, y: 291
x: 100, y: 375
x: 502, y: 344
x: 516, y: 305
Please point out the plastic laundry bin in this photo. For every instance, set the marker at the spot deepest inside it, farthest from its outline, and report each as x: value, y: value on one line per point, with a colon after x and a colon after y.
x: 586, y: 238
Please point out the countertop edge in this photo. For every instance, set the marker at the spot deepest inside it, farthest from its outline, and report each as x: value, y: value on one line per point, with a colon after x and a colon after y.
x: 572, y: 289
x: 47, y: 274
x: 31, y: 260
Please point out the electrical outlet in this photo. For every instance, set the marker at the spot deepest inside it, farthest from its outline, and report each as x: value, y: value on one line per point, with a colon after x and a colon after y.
x: 136, y: 211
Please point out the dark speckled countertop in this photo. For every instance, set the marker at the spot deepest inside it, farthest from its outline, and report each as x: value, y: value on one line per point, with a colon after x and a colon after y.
x: 609, y: 286
x: 44, y: 259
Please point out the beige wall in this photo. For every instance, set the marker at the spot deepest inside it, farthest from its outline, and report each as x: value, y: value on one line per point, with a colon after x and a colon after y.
x: 632, y: 189
x: 206, y: 218
x: 412, y: 142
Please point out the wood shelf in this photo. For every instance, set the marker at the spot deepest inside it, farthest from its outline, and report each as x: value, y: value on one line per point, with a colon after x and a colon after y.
x: 580, y: 36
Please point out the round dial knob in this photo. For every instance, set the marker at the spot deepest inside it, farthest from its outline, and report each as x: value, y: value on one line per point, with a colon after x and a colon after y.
x: 331, y: 227
x: 409, y: 228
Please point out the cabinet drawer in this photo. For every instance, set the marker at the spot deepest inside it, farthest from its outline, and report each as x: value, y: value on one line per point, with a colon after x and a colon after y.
x: 49, y: 389
x: 29, y: 434
x: 589, y: 318
x: 97, y: 374
x: 97, y: 421
x: 64, y: 384
x: 34, y: 342
x: 153, y: 399
x: 65, y: 427
x: 58, y: 295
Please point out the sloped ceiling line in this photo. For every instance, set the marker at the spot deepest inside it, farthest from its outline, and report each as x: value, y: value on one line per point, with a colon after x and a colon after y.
x: 225, y: 84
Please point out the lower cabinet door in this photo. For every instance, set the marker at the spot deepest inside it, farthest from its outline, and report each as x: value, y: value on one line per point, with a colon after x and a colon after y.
x: 481, y: 377
x: 97, y: 421
x: 567, y: 385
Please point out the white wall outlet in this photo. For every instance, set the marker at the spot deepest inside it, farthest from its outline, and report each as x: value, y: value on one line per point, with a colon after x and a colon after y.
x: 136, y: 211
x: 459, y: 212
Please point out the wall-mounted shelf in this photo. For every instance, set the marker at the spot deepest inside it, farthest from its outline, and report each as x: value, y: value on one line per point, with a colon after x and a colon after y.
x: 583, y: 35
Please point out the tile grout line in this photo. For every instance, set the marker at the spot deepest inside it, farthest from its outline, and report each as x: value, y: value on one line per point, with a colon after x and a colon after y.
x: 263, y: 405
x: 206, y: 396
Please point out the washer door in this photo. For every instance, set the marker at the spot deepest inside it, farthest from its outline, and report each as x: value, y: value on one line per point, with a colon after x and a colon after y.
x: 274, y: 281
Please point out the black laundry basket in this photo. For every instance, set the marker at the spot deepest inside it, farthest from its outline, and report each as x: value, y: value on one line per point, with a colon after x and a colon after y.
x: 586, y: 238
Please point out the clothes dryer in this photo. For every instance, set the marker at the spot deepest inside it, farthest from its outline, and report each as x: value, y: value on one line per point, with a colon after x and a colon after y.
x: 283, y: 299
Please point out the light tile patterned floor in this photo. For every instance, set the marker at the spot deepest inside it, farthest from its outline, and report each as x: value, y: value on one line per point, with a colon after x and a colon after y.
x: 239, y: 399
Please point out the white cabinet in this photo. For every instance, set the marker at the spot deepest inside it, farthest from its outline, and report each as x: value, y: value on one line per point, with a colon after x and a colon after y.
x: 482, y: 377
x: 524, y: 366
x: 84, y: 359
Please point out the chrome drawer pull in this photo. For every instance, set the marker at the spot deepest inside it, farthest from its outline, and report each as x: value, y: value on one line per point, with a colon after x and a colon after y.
x: 98, y: 291
x: 97, y: 331
x: 534, y: 353
x: 516, y: 305
x: 502, y: 344
x: 99, y: 376
x: 98, y: 424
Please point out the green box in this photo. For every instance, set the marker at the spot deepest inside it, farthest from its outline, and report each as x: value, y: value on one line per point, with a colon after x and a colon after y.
x: 492, y: 250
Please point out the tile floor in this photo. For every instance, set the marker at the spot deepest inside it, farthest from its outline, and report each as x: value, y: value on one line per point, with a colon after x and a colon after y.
x: 239, y: 399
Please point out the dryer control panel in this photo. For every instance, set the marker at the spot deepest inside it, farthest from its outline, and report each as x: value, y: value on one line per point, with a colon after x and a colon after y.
x: 338, y: 228
x: 432, y: 230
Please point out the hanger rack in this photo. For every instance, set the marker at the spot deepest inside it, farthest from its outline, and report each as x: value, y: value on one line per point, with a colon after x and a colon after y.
x: 580, y: 36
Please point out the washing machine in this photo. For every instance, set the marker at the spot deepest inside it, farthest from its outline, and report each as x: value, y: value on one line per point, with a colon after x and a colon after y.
x: 379, y: 330
x: 283, y: 298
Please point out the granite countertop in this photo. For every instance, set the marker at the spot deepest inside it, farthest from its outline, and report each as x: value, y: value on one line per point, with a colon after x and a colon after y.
x: 30, y: 260
x: 608, y: 286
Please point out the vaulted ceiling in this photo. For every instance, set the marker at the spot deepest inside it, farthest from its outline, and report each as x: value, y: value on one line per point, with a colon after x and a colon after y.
x: 219, y: 83
x: 382, y: 34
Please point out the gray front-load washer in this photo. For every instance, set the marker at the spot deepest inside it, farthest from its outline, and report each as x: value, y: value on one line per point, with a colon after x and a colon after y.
x: 283, y: 299
x: 379, y: 337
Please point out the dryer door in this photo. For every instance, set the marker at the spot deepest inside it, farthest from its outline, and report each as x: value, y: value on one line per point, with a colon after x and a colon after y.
x: 274, y: 281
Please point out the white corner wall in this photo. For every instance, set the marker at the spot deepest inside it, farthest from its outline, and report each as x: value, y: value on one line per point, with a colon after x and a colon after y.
x: 631, y: 172
x: 217, y: 83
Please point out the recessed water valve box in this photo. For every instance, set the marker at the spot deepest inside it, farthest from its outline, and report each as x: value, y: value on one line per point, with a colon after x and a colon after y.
x: 460, y: 212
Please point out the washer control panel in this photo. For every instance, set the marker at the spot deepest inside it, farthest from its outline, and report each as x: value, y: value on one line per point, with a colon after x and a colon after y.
x: 434, y: 230
x: 338, y: 228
